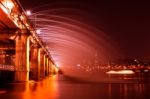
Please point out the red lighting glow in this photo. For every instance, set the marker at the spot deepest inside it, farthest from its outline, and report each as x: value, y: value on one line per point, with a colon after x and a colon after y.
x: 71, y: 39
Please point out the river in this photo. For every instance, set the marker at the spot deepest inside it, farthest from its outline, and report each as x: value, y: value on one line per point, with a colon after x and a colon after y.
x: 61, y: 87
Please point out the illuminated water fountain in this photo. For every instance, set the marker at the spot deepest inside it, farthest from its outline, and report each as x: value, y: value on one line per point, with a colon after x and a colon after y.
x: 71, y: 39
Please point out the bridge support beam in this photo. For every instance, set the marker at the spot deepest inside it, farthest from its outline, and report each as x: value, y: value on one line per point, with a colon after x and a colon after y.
x: 45, y: 60
x: 42, y: 65
x: 53, y: 69
x: 22, y: 57
x: 35, y: 62
x: 49, y: 69
x: 46, y: 66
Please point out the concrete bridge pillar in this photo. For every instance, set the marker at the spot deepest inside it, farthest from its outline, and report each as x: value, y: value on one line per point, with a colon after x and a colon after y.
x: 49, y: 68
x: 46, y: 66
x: 45, y: 63
x: 35, y: 62
x: 22, y: 56
x: 53, y: 69
x: 42, y: 65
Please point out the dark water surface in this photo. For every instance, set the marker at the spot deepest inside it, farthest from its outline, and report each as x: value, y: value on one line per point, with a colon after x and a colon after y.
x: 60, y: 87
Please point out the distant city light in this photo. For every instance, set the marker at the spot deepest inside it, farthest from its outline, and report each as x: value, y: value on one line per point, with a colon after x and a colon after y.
x: 120, y: 72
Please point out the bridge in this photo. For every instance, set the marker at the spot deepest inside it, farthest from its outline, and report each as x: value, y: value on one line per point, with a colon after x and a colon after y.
x: 21, y: 50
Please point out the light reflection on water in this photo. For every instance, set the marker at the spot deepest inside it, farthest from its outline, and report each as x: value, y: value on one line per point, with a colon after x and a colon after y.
x: 60, y: 87
x: 46, y: 89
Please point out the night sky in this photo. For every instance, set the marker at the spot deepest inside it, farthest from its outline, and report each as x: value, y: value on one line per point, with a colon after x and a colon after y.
x: 126, y: 22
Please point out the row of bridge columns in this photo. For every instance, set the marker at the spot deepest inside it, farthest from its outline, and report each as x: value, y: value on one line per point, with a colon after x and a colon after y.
x: 30, y: 59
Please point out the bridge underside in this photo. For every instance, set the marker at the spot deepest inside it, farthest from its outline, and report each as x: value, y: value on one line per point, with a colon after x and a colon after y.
x: 7, y: 42
x: 21, y: 55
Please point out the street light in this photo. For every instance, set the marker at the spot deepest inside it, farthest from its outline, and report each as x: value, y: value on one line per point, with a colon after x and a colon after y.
x: 38, y: 31
x: 29, y: 13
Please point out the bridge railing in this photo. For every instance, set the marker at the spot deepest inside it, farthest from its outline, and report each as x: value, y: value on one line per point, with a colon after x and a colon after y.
x: 7, y: 67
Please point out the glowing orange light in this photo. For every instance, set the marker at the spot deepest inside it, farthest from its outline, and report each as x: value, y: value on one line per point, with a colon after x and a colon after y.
x: 22, y: 17
x: 49, y: 89
x: 57, y: 64
x: 120, y: 72
x: 4, y: 9
x: 56, y: 69
x: 8, y: 4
